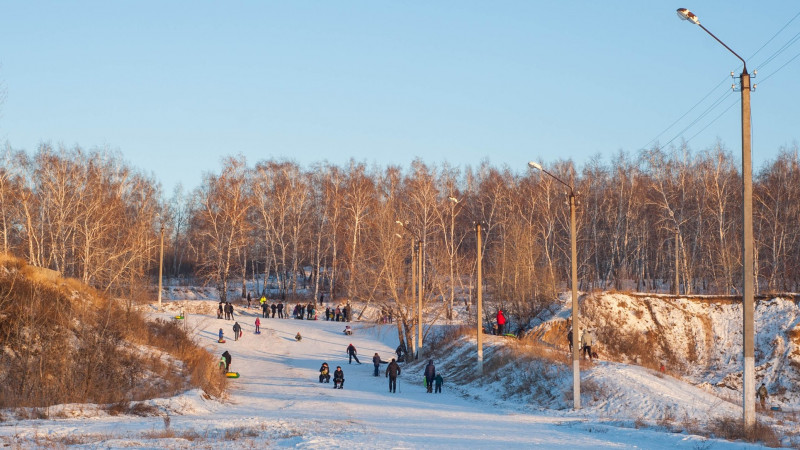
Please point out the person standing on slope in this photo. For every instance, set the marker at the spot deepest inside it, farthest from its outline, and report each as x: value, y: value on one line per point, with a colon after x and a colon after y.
x: 587, y: 341
x: 430, y: 374
x: 501, y: 322
x: 351, y: 352
x: 761, y: 395
x: 376, y: 361
x: 392, y: 371
x: 258, y: 325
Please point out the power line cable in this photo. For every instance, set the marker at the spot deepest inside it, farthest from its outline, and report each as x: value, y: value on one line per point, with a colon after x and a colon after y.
x: 783, y: 48
x: 733, y: 103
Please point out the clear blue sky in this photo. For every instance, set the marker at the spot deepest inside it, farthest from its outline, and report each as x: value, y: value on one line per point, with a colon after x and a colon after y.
x: 175, y: 86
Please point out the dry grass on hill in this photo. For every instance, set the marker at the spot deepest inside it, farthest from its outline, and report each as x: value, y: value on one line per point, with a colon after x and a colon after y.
x: 63, y: 342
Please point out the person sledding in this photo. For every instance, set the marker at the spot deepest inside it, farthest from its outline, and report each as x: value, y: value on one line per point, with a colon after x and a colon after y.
x: 338, y: 378
x: 324, y: 373
x: 347, y: 330
x: 297, y: 337
x: 221, y: 337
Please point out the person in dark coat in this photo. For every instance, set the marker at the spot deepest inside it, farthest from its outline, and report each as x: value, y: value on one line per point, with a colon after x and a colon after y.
x: 274, y: 308
x: 430, y: 374
x: 351, y: 352
x: 280, y: 310
x: 265, y: 310
x: 392, y: 371
x: 237, y: 329
x: 228, y: 358
x: 400, y: 350
x: 328, y: 313
x: 376, y: 361
x: 338, y: 378
x: 324, y: 373
x: 439, y: 381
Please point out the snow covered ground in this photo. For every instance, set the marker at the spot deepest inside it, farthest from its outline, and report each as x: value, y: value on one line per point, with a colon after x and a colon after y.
x: 278, y: 402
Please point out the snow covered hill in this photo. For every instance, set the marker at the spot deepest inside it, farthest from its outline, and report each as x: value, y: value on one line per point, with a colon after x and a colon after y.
x: 278, y: 401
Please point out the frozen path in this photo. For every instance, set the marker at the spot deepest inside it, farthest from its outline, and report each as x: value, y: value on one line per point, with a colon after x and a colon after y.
x: 279, y: 385
x: 278, y: 402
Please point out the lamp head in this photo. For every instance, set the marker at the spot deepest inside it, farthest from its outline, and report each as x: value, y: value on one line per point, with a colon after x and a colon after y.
x: 534, y: 165
x: 685, y: 14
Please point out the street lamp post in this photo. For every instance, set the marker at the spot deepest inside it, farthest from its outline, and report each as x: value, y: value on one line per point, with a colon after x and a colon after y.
x: 480, y: 286
x: 576, y: 362
x: 748, y: 281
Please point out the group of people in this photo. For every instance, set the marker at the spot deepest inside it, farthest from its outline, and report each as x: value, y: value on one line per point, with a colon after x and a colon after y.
x: 387, y: 315
x: 338, y: 376
x: 433, y: 380
x: 338, y: 314
x: 304, y: 311
x: 225, y: 310
x: 587, y: 341
x: 266, y: 308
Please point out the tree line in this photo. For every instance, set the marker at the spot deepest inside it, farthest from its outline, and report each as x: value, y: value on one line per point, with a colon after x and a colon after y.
x: 643, y: 222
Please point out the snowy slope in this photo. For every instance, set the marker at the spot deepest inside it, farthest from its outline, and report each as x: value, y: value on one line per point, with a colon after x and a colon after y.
x: 278, y: 402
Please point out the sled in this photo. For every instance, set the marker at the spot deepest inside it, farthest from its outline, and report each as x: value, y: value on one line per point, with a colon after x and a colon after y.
x: 776, y: 408
x: 510, y: 335
x: 221, y: 341
x: 179, y: 317
x: 232, y: 374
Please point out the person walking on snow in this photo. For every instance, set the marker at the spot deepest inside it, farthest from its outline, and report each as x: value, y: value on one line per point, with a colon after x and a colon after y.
x: 351, y: 352
x: 430, y: 374
x: 258, y: 325
x: 392, y: 371
x: 376, y: 361
x: 761, y: 395
x: 439, y: 381
x: 236, y: 330
x: 501, y: 322
x: 338, y: 378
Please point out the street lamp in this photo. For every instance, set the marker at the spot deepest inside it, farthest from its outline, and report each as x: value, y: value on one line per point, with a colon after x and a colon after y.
x: 415, y: 235
x: 748, y: 378
x: 480, y: 285
x: 576, y: 363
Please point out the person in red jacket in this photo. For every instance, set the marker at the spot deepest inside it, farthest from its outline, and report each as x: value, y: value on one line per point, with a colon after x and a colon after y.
x: 501, y: 322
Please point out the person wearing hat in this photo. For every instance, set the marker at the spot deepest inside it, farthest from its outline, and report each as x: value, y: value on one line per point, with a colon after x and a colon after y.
x: 352, y: 352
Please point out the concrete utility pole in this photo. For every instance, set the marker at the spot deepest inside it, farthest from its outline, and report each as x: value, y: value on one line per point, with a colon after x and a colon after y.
x: 748, y: 276
x: 160, y: 266
x: 480, y: 283
x: 576, y: 324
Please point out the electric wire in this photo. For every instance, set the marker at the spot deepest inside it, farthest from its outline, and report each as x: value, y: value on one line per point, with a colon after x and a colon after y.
x: 794, y: 39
